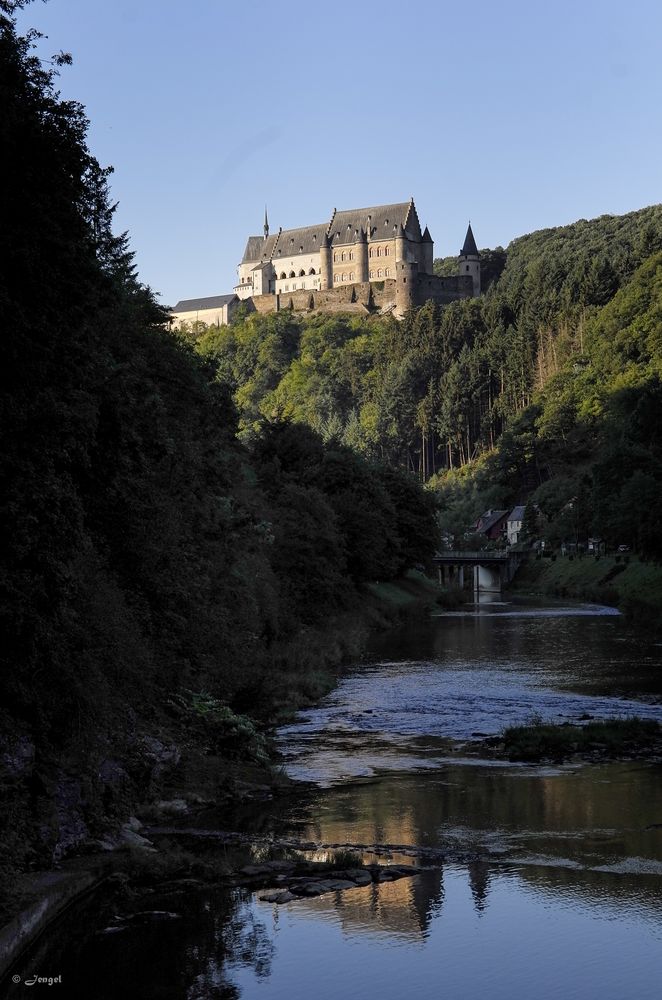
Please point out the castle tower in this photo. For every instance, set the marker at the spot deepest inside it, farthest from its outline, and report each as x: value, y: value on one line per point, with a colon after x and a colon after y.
x: 266, y: 224
x: 326, y: 263
x: 399, y: 243
x: 427, y: 252
x: 405, y: 285
x: 362, y: 255
x: 470, y: 260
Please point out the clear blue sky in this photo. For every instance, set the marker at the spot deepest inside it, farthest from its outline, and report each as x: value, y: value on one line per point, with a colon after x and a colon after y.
x: 517, y: 115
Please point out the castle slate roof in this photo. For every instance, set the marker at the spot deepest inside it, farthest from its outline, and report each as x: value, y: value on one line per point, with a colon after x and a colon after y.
x: 517, y: 514
x: 258, y: 248
x: 469, y: 249
x: 306, y: 240
x: 197, y: 305
x: 384, y: 220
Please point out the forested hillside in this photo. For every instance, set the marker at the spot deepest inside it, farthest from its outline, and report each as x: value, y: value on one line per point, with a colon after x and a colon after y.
x: 156, y: 573
x: 477, y: 397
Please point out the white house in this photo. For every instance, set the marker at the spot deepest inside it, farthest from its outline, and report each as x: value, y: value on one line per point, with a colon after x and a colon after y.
x: 514, y: 523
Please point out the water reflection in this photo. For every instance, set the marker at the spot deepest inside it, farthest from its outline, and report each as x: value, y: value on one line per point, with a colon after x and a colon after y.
x: 567, y: 901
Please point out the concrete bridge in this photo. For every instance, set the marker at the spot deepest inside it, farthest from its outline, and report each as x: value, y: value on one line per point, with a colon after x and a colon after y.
x: 491, y: 570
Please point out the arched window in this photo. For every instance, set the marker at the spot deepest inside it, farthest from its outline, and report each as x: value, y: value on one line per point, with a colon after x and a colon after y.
x: 351, y: 276
x: 370, y: 252
x: 336, y: 278
x: 335, y: 257
x: 386, y: 251
x: 343, y: 256
x: 302, y: 273
x: 312, y: 270
x: 283, y: 275
x: 372, y: 274
x: 380, y: 273
x: 344, y: 276
x: 379, y: 251
x: 387, y: 272
x: 292, y: 274
x: 351, y: 255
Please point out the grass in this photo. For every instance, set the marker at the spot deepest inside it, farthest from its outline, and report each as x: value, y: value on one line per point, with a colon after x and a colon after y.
x: 346, y: 859
x: 542, y: 740
x: 633, y: 586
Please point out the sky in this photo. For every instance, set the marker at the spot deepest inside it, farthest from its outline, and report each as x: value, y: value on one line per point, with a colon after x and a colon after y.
x: 515, y: 115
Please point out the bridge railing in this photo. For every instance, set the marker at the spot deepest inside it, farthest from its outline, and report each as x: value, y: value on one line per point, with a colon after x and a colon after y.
x: 491, y: 554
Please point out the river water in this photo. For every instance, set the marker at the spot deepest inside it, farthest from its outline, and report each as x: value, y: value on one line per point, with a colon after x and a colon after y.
x: 568, y: 899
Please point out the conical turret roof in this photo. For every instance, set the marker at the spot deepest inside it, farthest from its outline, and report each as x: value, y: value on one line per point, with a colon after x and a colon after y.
x: 469, y: 249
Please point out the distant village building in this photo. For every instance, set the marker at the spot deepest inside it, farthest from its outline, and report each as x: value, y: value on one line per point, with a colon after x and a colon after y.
x: 215, y: 310
x: 360, y: 260
x: 492, y: 524
x: 514, y: 523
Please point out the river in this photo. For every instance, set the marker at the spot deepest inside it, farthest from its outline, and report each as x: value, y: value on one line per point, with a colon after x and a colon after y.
x: 567, y: 899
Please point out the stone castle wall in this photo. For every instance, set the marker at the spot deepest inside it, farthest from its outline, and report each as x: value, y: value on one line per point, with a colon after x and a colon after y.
x: 368, y: 295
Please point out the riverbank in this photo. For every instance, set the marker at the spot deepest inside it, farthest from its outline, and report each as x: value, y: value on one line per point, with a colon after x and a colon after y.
x: 193, y: 755
x: 623, y: 581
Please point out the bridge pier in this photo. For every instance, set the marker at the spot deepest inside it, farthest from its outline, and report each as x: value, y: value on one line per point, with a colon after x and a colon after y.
x: 492, y: 570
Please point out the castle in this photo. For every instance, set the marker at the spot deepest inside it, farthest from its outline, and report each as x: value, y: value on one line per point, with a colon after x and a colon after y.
x: 361, y: 260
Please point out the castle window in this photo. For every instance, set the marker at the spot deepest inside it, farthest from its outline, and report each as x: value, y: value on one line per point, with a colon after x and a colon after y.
x: 302, y: 273
x: 380, y: 273
x: 287, y: 288
x: 344, y: 276
x: 294, y: 286
x: 372, y: 274
x: 467, y: 267
x: 379, y: 251
x: 351, y: 255
x: 335, y: 257
x: 336, y: 278
x: 387, y: 272
x: 292, y: 274
x: 312, y: 270
x: 370, y: 252
x: 282, y: 275
x: 343, y: 255
x: 351, y: 276
x: 386, y: 251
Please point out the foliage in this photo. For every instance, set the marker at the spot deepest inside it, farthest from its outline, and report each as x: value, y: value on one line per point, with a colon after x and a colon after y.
x: 557, y: 742
x: 145, y: 550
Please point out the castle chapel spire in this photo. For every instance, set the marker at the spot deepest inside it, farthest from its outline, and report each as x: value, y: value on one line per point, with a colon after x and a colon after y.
x: 469, y: 249
x: 266, y: 223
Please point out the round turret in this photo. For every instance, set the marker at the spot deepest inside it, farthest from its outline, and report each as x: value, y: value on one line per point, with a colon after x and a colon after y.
x: 326, y: 263
x: 470, y: 261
